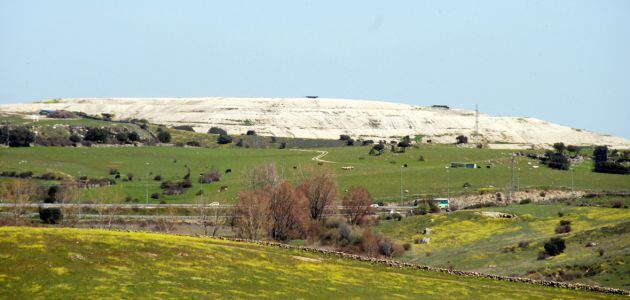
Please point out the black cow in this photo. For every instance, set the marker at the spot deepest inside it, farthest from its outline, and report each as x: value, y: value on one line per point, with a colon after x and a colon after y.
x: 228, y: 171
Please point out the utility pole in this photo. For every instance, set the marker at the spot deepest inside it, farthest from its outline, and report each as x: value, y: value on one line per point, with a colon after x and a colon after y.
x: 401, y: 184
x: 448, y: 183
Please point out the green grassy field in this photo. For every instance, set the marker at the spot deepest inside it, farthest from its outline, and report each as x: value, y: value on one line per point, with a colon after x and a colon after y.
x: 468, y: 241
x: 79, y: 263
x: 380, y: 174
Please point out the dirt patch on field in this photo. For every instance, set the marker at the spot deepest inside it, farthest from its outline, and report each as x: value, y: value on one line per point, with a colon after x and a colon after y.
x: 306, y: 259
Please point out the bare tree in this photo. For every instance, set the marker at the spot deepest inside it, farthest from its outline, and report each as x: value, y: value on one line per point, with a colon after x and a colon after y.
x: 69, y: 196
x: 18, y: 192
x: 112, y: 211
x: 289, y: 212
x: 108, y: 195
x: 356, y: 205
x: 252, y: 213
x: 320, y: 188
x: 203, y: 211
x: 263, y: 176
x: 165, y: 220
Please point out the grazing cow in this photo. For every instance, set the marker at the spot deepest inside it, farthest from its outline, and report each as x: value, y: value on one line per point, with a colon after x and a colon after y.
x: 223, y: 188
x: 294, y: 167
x: 228, y: 171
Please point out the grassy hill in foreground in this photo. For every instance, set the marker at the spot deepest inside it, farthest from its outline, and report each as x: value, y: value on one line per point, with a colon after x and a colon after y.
x: 71, y: 263
x: 468, y: 241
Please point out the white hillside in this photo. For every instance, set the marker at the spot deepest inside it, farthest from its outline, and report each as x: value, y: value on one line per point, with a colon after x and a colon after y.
x: 328, y: 118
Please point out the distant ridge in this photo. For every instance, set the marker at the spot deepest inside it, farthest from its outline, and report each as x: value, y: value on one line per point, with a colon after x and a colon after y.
x: 329, y: 118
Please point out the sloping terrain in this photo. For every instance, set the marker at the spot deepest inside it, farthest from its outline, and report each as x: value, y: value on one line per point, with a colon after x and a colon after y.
x: 327, y: 118
x: 466, y: 240
x: 75, y: 263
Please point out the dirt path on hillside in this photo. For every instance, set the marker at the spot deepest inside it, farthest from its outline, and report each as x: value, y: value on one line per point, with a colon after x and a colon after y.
x: 319, y: 156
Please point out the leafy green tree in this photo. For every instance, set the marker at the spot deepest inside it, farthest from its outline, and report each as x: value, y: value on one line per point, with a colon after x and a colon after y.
x: 164, y: 136
x: 600, y: 153
x: 224, y: 139
x: 560, y: 147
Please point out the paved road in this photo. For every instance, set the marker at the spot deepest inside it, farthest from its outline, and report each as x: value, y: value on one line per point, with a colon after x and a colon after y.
x: 154, y: 206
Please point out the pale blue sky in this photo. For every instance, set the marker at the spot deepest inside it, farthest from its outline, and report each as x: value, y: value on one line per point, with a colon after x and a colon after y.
x: 563, y: 61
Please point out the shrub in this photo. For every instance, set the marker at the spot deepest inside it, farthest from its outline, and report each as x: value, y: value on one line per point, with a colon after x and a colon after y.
x: 113, y: 171
x: 224, y: 139
x: 388, y: 248
x: 525, y: 201
x: 27, y: 174
x: 210, y: 176
x: 542, y: 255
x: 133, y: 136
x: 75, y: 138
x: 461, y: 139
x: 554, y: 246
x: 186, y: 183
x: 404, y: 144
x: 251, y: 132
x: 617, y: 204
x: 344, y: 137
x: 407, y: 246
x: 97, y: 135
x: 217, y: 130
x: 564, y: 227
x: 157, y: 178
x: 600, y: 154
x: 51, y: 194
x: 367, y: 142
x: 193, y: 144
x: 559, y: 161
x: 573, y: 149
x: 107, y: 116
x: 560, y: 147
x: 184, y: 127
x: 122, y: 137
x: 50, y: 215
x: 18, y: 136
x: 164, y: 136
x: 61, y: 114
x: 51, y: 176
x: 155, y: 196
x: 611, y: 167
x: 377, y: 149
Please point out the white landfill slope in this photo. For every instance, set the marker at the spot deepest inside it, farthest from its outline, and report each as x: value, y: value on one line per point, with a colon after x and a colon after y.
x: 328, y: 118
